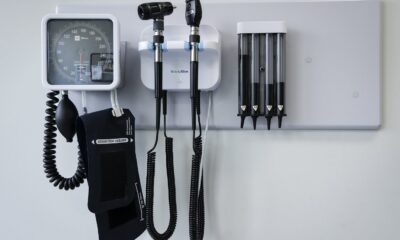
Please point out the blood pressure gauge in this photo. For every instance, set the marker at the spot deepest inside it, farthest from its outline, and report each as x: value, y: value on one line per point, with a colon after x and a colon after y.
x: 80, y: 52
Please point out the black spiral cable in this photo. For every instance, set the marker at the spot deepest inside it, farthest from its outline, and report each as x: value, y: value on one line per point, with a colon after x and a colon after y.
x: 151, y: 164
x: 196, y: 209
x: 201, y: 212
x: 49, y: 150
x: 196, y: 205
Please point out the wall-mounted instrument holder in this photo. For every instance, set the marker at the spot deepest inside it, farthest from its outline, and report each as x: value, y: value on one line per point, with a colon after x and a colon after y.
x: 176, y: 68
x: 333, y: 68
x: 262, y: 61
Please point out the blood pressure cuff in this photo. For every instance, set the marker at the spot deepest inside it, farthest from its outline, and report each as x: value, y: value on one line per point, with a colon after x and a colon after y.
x: 126, y: 223
x: 107, y: 144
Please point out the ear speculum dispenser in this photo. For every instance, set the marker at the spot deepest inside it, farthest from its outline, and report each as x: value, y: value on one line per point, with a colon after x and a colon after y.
x: 262, y: 75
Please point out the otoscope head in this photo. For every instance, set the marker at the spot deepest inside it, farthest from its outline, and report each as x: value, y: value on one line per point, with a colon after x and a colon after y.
x: 194, y: 13
x: 155, y: 10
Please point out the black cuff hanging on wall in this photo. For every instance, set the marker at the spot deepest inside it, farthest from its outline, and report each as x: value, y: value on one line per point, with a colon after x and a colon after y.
x: 115, y: 195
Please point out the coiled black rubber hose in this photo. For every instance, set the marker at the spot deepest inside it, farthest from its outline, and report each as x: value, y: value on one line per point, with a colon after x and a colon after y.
x: 151, y: 165
x: 49, y: 150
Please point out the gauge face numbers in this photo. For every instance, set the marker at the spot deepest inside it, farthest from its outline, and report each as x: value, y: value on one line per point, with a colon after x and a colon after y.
x: 80, y: 51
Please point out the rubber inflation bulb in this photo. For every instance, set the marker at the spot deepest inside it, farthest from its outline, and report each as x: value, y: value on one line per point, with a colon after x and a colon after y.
x: 66, y: 116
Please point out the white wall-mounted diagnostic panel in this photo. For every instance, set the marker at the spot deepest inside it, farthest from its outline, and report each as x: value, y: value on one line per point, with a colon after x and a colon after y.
x: 333, y: 68
x: 80, y: 52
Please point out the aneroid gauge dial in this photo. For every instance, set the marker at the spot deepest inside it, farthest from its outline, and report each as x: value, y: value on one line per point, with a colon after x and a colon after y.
x: 80, y: 51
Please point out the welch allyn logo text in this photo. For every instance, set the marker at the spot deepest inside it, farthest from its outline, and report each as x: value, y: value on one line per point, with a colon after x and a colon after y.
x: 179, y: 71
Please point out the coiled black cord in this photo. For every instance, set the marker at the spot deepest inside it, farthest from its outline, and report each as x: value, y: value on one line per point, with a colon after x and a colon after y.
x: 151, y: 164
x: 49, y: 150
x: 196, y: 205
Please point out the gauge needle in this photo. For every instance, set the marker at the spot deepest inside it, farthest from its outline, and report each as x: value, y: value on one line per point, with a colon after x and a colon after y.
x: 80, y: 65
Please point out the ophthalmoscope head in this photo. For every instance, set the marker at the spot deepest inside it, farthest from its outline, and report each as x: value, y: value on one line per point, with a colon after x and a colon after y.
x: 194, y: 13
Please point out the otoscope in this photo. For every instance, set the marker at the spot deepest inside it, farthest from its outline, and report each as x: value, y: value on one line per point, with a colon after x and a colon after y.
x: 157, y: 11
x: 196, y: 206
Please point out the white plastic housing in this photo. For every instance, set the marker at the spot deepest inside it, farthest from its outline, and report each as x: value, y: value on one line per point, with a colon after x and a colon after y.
x: 176, y: 58
x: 261, y: 27
x: 116, y: 53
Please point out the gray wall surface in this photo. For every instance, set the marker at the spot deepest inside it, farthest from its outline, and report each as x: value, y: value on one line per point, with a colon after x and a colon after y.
x: 281, y: 185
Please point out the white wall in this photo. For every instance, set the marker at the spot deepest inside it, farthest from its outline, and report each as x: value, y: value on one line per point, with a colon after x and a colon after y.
x: 303, y: 185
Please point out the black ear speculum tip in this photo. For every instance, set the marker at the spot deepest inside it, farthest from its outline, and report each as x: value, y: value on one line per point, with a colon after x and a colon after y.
x: 242, y: 121
x: 254, y: 122
x: 269, y: 122
x: 280, y: 121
